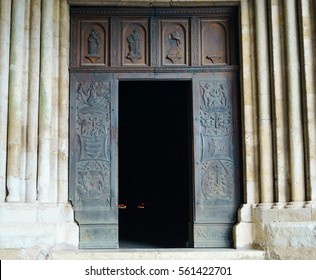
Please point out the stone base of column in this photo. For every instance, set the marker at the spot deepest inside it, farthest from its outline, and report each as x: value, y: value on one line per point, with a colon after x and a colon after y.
x: 243, y: 230
x: 286, y: 233
x: 38, y: 225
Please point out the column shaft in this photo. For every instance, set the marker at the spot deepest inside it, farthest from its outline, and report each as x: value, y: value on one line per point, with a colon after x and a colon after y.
x: 5, y: 19
x: 307, y: 24
x: 63, y: 102
x: 15, y: 101
x: 249, y: 101
x: 294, y: 102
x: 281, y: 157
x: 33, y: 91
x: 45, y: 101
x: 264, y: 114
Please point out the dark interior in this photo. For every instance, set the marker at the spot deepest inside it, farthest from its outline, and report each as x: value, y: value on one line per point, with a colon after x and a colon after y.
x: 155, y: 147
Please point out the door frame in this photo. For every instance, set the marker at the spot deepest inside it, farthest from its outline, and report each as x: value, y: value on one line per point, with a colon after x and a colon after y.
x: 99, y: 228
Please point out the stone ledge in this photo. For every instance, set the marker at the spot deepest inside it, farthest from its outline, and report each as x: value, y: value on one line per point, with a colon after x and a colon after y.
x: 22, y: 213
x: 159, y: 254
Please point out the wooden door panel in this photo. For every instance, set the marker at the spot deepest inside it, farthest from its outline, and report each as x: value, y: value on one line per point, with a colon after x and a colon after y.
x: 93, y: 158
x: 217, y: 185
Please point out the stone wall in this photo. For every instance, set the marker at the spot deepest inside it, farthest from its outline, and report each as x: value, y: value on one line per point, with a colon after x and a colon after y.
x: 277, y: 39
x: 34, y: 53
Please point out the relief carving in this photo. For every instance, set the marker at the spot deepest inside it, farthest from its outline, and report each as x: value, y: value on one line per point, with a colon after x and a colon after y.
x: 133, y: 46
x: 215, y: 58
x: 207, y: 233
x: 95, y: 233
x: 175, y: 50
x: 94, y: 43
x: 217, y: 182
x: 93, y: 145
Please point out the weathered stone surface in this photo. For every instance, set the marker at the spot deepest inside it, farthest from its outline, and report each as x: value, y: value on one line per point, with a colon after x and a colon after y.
x: 160, y: 254
x: 294, y: 215
x: 33, y: 224
x: 265, y: 215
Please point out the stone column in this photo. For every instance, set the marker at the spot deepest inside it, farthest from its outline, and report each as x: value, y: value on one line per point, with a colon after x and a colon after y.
x: 25, y: 102
x: 264, y: 114
x: 309, y: 87
x: 294, y: 102
x: 249, y: 99
x: 33, y: 91
x: 281, y: 156
x: 5, y: 19
x: 55, y: 101
x: 45, y: 101
x: 63, y: 102
x: 15, y: 102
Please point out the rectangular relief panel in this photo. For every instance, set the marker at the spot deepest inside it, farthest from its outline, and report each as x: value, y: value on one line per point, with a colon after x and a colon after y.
x: 94, y: 50
x: 215, y: 42
x: 134, y: 42
x: 174, y: 36
x: 217, y: 159
x: 93, y: 158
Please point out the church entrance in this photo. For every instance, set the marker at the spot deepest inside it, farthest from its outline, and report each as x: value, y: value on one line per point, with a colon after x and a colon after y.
x: 155, y: 180
x: 155, y: 147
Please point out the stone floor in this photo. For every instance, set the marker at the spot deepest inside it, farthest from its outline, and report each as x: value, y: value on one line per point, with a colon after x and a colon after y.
x: 159, y: 254
x: 135, y: 254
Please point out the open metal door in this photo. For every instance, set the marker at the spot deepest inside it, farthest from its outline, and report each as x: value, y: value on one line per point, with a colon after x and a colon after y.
x: 93, y: 158
x: 217, y: 158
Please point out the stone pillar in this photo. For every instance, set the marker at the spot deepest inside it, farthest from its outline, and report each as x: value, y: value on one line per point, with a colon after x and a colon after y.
x: 249, y: 99
x: 25, y: 102
x: 15, y: 102
x: 281, y: 156
x: 264, y: 113
x: 309, y: 87
x: 64, y: 35
x: 33, y: 91
x: 45, y: 101
x: 5, y: 19
x: 55, y: 101
x: 294, y: 102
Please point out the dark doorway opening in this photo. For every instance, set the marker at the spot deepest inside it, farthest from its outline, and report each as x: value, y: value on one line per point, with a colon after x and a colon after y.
x: 155, y: 172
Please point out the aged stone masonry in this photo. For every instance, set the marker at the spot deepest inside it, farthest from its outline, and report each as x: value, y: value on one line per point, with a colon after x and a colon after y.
x: 253, y: 108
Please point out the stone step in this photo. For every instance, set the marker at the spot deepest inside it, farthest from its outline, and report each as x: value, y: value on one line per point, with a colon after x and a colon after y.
x: 159, y: 254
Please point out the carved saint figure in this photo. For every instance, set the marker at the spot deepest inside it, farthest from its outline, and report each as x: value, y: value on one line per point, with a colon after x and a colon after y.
x: 175, y: 51
x: 133, y: 45
x: 94, y: 42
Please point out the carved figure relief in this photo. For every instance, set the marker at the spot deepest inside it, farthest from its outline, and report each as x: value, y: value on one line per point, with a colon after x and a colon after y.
x: 217, y: 182
x: 94, y: 43
x: 93, y: 145
x: 214, y: 40
x: 133, y: 45
x: 175, y: 49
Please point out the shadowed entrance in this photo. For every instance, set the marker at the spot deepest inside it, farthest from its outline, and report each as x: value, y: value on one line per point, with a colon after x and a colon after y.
x: 155, y: 192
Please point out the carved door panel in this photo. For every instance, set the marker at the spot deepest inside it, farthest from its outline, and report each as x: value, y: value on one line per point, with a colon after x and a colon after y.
x: 217, y: 182
x: 93, y: 158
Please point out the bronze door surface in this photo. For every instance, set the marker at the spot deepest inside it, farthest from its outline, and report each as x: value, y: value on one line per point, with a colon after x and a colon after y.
x: 193, y: 49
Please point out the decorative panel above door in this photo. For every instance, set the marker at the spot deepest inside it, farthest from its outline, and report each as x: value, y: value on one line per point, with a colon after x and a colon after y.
x: 153, y: 37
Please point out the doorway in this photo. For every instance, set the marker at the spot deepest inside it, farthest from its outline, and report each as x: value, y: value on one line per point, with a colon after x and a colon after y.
x: 155, y: 172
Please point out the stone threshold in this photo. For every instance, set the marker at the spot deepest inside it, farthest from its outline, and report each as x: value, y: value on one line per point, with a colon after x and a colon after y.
x: 159, y: 254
